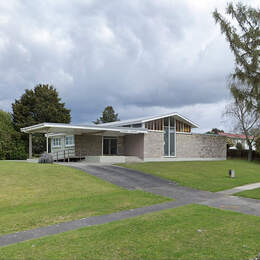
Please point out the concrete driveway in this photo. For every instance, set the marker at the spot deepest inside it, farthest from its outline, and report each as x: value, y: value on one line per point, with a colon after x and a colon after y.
x: 131, y: 179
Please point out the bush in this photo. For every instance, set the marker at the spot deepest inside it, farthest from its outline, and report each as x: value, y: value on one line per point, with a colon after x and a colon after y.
x: 257, y: 144
x: 239, y: 146
x: 11, y: 145
x: 45, y: 158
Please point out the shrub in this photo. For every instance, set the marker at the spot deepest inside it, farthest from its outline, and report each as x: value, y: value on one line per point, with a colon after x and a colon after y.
x: 45, y: 158
x: 11, y: 145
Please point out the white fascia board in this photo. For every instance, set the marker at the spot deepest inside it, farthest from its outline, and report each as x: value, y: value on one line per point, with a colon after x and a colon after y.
x: 48, y: 126
x: 147, y: 119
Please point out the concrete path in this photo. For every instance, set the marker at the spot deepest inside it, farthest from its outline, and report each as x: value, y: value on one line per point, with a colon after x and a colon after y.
x: 240, y: 188
x: 131, y: 180
x: 234, y: 203
x: 85, y: 222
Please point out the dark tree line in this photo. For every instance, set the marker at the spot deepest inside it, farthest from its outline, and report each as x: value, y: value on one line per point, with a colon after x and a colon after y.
x: 38, y: 105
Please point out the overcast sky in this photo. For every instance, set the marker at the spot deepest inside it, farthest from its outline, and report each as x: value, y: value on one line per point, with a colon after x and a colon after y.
x: 143, y: 57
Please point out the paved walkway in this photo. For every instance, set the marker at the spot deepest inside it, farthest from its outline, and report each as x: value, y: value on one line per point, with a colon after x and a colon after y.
x: 84, y: 222
x: 131, y: 179
x: 240, y: 188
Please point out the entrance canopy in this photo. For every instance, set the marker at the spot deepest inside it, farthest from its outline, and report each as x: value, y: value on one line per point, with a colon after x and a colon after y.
x: 56, y: 128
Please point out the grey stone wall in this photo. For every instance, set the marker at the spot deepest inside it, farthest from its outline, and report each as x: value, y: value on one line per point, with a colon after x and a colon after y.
x: 120, y: 145
x: 90, y: 145
x: 153, y: 144
x: 134, y: 145
x: 200, y: 146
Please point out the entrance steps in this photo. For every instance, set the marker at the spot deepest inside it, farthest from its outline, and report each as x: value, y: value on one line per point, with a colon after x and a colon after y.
x: 112, y: 159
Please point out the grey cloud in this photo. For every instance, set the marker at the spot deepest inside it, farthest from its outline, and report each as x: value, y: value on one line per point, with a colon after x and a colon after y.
x: 139, y: 54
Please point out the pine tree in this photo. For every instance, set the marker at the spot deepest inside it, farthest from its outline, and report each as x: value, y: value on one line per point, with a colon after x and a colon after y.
x: 38, y: 105
x: 108, y: 115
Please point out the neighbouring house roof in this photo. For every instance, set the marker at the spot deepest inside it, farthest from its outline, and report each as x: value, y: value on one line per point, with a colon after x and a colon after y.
x: 53, y: 128
x: 235, y: 136
x: 150, y: 118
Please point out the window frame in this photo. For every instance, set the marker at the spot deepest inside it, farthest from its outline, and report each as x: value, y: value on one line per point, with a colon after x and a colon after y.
x: 70, y: 144
x: 54, y: 144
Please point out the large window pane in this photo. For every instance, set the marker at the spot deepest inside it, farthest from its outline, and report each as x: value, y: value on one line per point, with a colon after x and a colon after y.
x: 172, y: 141
x: 172, y: 122
x: 166, y: 142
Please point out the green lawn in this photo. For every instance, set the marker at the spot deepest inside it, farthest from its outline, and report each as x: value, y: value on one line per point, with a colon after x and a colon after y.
x: 206, y: 175
x: 33, y: 195
x: 253, y: 194
x: 189, y: 232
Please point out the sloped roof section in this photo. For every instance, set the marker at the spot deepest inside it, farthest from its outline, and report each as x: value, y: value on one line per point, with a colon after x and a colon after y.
x: 150, y: 118
x: 235, y: 136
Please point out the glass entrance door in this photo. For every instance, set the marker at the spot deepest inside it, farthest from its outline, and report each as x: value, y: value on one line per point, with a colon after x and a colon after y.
x: 169, y: 136
x: 110, y: 146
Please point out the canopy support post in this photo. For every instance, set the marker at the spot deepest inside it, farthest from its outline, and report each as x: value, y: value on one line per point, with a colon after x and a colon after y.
x: 30, y: 146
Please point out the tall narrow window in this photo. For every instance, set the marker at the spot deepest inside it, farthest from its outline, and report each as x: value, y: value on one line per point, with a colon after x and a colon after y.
x: 169, y: 136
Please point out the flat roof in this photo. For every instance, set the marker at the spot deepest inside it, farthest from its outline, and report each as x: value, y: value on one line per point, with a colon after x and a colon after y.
x: 53, y: 128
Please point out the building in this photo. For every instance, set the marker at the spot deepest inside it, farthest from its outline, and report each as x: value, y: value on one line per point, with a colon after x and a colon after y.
x: 238, y: 138
x: 166, y: 137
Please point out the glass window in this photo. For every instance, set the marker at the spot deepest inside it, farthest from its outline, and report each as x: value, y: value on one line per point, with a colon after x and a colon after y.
x: 166, y: 141
x: 172, y: 141
x: 169, y: 137
x: 137, y: 125
x: 69, y: 140
x: 56, y: 142
x: 166, y: 121
x: 172, y: 122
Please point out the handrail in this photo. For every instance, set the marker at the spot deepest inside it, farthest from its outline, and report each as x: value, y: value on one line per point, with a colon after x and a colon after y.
x: 67, y: 154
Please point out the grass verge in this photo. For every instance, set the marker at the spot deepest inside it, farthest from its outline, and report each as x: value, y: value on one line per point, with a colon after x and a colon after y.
x: 188, y: 232
x: 204, y: 175
x: 253, y: 194
x: 34, y: 195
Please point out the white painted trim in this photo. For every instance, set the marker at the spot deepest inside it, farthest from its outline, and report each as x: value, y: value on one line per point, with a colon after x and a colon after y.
x: 151, y: 118
x: 46, y: 127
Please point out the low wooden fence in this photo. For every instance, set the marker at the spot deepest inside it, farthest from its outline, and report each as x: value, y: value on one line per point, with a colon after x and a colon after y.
x: 243, y: 154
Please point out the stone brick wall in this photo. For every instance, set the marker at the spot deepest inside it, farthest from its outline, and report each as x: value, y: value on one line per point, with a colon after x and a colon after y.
x: 154, y: 145
x: 200, y: 146
x: 90, y: 145
x: 120, y: 145
x: 134, y: 145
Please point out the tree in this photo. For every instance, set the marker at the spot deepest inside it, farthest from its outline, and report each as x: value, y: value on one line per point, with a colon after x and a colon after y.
x: 246, y: 120
x: 230, y: 142
x: 108, y: 115
x: 239, y: 146
x: 243, y: 35
x: 242, y: 32
x: 215, y: 131
x: 11, y: 145
x: 257, y: 144
x: 38, y: 105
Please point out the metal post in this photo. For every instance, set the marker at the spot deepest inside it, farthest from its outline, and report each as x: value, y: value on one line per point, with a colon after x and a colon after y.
x: 47, y: 143
x: 68, y: 155
x: 64, y: 156
x: 169, y: 136
x: 102, y: 145
x: 30, y: 146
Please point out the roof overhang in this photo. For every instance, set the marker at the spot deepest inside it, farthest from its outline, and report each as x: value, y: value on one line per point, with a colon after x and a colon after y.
x: 151, y: 118
x: 55, y: 128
